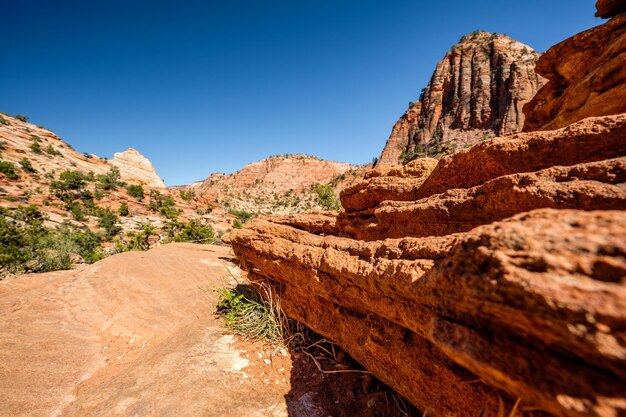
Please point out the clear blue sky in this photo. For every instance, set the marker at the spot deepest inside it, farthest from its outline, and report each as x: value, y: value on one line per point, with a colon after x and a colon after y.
x: 204, y: 86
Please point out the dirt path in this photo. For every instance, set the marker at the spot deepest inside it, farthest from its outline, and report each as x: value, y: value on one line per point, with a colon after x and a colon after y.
x: 132, y: 335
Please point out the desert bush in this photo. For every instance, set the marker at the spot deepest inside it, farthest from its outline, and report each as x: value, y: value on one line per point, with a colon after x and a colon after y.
x: 14, y: 244
x: 36, y: 148
x: 326, y: 197
x: 194, y: 231
x: 242, y: 216
x: 187, y: 195
x: 3, y: 121
x: 71, y: 180
x: 108, y: 221
x: 137, y: 240
x: 76, y: 209
x: 135, y: 191
x: 8, y: 169
x: 27, y: 246
x: 51, y: 151
x: 166, y: 206
x: 110, y: 180
x: 27, y: 166
x: 21, y: 117
x: 247, y: 313
x: 123, y: 210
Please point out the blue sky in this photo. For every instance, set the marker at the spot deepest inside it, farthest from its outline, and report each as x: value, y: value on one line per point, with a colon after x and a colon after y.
x: 205, y: 86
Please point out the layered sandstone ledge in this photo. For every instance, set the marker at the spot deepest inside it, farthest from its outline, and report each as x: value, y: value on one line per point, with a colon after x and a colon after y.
x: 497, y: 273
x: 488, y: 277
x: 586, y: 73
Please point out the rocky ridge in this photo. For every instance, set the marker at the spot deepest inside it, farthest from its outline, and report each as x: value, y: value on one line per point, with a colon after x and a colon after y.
x: 282, y: 184
x: 476, y: 92
x: 48, y: 153
x: 33, y: 160
x: 491, y: 277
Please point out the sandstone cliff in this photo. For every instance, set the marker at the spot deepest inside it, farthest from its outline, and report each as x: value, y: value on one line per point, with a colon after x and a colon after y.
x: 477, y: 91
x: 587, y: 74
x: 486, y: 281
x: 505, y: 266
x: 136, y: 168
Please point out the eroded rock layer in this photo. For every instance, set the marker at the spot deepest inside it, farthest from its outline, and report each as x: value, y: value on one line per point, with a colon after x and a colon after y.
x: 587, y: 77
x: 477, y: 91
x: 494, y: 274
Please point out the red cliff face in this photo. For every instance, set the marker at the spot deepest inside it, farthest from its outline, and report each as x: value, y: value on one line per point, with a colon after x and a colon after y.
x: 477, y: 91
x: 587, y: 74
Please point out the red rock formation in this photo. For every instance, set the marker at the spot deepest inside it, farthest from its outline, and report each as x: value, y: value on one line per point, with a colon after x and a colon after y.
x: 279, y: 184
x: 438, y: 292
x: 587, y: 74
x: 477, y: 91
x: 497, y: 274
x: 610, y: 8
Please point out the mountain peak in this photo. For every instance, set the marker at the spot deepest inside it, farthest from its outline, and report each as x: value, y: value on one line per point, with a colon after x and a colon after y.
x: 477, y: 91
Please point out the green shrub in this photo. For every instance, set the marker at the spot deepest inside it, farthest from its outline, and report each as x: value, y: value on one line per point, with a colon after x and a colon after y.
x: 27, y: 246
x: 21, y: 117
x: 36, y: 147
x: 187, y: 195
x: 77, y: 211
x: 242, y: 215
x: 14, y: 245
x: 326, y: 197
x: 27, y: 165
x: 8, y: 169
x: 3, y: 121
x: 166, y: 206
x: 194, y: 231
x: 123, y: 210
x: 139, y: 240
x: 249, y: 314
x: 51, y: 151
x: 108, y: 221
x: 89, y: 245
x: 135, y: 191
x: 70, y: 181
x: 110, y: 180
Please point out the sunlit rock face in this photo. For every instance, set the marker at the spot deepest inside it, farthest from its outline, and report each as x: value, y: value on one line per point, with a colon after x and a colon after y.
x: 136, y: 168
x: 476, y: 92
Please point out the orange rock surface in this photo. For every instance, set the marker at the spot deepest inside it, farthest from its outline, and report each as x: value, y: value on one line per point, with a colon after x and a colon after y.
x: 587, y: 77
x: 503, y: 264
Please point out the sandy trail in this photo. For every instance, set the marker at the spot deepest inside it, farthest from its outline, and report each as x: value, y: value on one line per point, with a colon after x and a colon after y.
x: 132, y: 335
